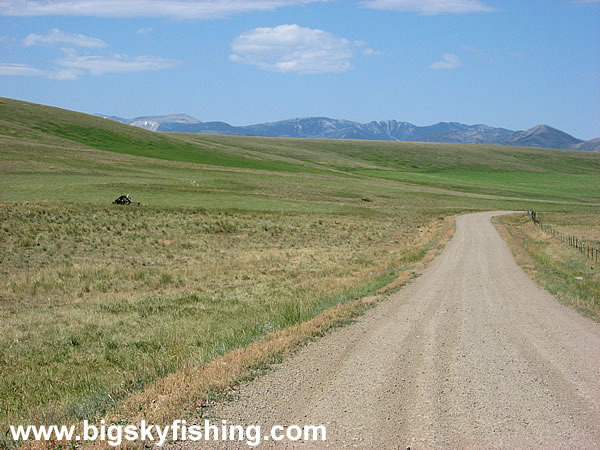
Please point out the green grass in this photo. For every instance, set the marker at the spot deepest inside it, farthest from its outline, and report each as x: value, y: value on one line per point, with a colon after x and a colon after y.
x: 236, y: 237
x: 79, y: 143
x: 411, y: 157
x: 547, y: 186
x: 26, y: 121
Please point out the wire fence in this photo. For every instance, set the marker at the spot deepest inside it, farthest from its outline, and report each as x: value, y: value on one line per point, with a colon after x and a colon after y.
x: 585, y: 248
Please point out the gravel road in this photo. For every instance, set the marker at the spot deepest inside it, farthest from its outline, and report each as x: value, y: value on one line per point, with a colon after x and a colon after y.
x: 470, y: 354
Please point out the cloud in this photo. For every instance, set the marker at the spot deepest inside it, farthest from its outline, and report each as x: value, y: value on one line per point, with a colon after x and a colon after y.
x: 147, y: 30
x: 449, y: 61
x: 291, y: 48
x: 177, y: 9
x: 20, y: 70
x: 74, y: 66
x: 475, y: 51
x: 371, y: 52
x: 479, y: 53
x: 368, y: 51
x: 101, y: 65
x: 429, y: 7
x: 58, y: 37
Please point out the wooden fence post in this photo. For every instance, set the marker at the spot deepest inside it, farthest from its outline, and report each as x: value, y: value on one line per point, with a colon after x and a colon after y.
x: 572, y: 241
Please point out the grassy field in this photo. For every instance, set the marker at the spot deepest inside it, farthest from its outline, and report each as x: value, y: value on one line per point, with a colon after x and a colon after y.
x: 236, y: 239
x: 562, y: 270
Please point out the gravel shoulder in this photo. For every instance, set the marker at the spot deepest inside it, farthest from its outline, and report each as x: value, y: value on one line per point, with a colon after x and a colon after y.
x: 470, y: 354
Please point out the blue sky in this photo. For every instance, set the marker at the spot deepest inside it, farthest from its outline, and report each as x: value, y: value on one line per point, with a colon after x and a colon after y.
x: 505, y: 63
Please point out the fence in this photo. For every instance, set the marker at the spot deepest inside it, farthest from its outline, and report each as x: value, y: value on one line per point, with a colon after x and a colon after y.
x: 587, y: 250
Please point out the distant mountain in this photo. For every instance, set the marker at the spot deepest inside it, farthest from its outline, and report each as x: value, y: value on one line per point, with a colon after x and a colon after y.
x: 154, y: 123
x: 386, y: 130
x: 589, y: 146
x: 544, y: 136
x: 326, y: 128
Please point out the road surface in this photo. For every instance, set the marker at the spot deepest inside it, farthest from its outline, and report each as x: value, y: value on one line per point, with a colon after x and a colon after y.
x: 470, y: 354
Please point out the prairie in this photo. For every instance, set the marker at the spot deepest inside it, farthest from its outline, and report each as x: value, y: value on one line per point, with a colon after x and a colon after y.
x: 236, y: 238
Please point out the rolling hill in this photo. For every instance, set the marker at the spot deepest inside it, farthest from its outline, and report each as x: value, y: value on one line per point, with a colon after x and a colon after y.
x: 77, y: 156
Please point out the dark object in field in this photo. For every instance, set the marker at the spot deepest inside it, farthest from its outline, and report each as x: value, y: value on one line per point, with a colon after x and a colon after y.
x: 125, y: 200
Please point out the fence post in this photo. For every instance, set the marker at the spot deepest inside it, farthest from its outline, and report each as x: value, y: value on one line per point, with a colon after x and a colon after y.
x: 572, y: 241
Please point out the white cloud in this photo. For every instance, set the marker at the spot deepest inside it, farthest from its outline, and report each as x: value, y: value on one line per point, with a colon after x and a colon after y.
x: 449, y: 61
x: 368, y: 51
x: 20, y: 70
x: 178, y: 9
x: 58, y: 37
x: 74, y: 66
x: 291, y: 48
x: 147, y: 30
x: 371, y: 52
x: 475, y: 51
x: 101, y: 65
x: 429, y: 7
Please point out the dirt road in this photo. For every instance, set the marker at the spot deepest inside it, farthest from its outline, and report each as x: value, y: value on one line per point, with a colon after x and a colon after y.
x: 470, y: 354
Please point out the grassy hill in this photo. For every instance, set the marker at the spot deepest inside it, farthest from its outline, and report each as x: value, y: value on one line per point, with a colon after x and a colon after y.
x: 236, y: 238
x: 49, y: 147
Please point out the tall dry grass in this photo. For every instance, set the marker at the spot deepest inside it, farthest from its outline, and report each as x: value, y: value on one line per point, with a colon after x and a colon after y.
x: 97, y: 302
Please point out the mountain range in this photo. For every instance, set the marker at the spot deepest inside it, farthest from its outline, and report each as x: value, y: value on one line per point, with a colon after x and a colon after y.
x: 387, y: 130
